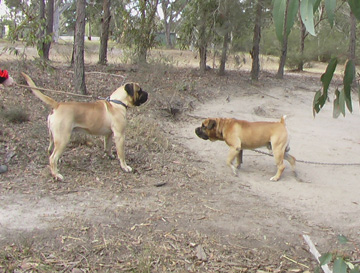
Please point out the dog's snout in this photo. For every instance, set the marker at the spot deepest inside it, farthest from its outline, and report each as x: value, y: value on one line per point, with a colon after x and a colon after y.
x: 201, y: 134
x: 143, y: 97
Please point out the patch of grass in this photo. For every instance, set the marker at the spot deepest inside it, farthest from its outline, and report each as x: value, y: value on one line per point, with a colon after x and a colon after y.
x: 15, y: 115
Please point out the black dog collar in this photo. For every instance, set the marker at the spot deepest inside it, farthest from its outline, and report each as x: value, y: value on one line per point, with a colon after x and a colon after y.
x: 117, y: 102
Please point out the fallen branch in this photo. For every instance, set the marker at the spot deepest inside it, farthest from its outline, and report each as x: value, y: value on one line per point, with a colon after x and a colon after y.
x: 316, y: 253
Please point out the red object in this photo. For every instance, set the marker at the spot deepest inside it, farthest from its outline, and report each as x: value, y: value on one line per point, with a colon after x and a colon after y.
x: 3, y: 75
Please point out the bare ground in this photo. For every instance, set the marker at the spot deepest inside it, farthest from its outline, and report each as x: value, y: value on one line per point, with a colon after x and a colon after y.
x: 181, y: 210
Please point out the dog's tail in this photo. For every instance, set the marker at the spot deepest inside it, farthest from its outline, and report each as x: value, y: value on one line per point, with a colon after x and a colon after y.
x: 282, y: 120
x: 53, y: 103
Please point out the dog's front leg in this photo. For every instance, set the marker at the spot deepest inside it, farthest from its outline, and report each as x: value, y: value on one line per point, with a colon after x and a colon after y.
x: 107, y: 146
x: 233, y: 153
x: 120, y: 143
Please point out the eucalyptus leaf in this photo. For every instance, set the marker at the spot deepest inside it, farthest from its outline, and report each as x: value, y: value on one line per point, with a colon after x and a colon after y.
x: 330, y: 6
x: 328, y: 75
x: 355, y: 270
x: 292, y: 13
x: 307, y: 15
x: 325, y: 258
x: 278, y: 17
x: 355, y: 7
x: 339, y: 265
x: 342, y: 239
x: 348, y: 79
x: 336, y: 108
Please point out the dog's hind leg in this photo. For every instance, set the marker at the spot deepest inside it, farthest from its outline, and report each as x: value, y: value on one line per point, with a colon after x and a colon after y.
x: 59, y: 147
x: 51, y: 142
x: 239, y: 159
x: 279, y: 159
x: 292, y: 161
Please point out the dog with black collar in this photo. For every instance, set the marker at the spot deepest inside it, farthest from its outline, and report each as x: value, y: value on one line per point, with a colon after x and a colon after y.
x: 102, y: 117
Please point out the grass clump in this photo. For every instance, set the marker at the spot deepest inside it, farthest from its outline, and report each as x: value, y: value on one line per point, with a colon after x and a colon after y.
x: 15, y: 115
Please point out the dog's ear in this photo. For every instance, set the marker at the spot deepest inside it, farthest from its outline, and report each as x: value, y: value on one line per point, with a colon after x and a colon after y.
x: 211, y: 124
x: 129, y: 88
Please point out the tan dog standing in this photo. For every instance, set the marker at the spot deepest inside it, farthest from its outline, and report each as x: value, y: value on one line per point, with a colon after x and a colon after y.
x: 241, y: 134
x: 103, y: 117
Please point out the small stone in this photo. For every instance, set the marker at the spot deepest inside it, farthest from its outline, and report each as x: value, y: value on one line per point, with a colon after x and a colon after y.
x: 3, y: 168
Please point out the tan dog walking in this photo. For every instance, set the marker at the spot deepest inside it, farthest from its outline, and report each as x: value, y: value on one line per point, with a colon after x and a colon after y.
x: 103, y: 117
x: 241, y: 134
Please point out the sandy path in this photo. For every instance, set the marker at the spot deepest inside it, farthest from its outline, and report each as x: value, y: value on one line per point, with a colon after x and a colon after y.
x: 324, y: 195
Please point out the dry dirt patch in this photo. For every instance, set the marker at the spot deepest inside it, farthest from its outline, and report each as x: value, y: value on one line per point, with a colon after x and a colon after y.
x: 181, y: 199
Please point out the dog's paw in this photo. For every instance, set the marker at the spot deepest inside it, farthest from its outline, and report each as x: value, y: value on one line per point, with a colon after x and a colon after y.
x: 274, y: 178
x: 234, y: 170
x: 127, y: 169
x: 109, y: 155
x: 58, y: 177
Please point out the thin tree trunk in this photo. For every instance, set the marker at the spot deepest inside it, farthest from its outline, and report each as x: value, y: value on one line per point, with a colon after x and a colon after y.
x: 104, y: 32
x: 302, y: 43
x: 41, y: 31
x: 202, y: 43
x: 255, y: 52
x: 49, y: 27
x: 352, y: 46
x: 224, y: 54
x: 280, y: 73
x: 79, y: 69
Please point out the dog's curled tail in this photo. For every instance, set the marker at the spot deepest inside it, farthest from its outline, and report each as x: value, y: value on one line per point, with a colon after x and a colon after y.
x: 53, y: 103
x: 282, y: 120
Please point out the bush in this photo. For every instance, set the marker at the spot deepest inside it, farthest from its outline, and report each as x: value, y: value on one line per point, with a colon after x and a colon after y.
x: 15, y: 115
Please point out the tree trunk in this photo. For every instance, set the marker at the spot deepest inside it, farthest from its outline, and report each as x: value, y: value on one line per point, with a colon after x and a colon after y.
x: 302, y: 44
x: 255, y: 52
x: 56, y: 22
x: 79, y: 69
x: 352, y: 46
x: 146, y: 37
x: 104, y: 32
x: 49, y: 27
x: 202, y: 43
x: 167, y: 22
x: 224, y: 54
x: 40, y: 46
x: 280, y: 73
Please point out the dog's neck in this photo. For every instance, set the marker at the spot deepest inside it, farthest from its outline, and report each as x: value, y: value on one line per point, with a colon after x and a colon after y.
x: 117, y: 102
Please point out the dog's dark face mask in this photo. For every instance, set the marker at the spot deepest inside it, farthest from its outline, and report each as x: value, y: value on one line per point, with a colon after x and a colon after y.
x: 139, y: 96
x: 205, y: 130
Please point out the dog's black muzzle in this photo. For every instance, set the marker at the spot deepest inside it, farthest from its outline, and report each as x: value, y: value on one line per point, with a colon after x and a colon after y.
x: 142, y: 98
x: 201, y: 134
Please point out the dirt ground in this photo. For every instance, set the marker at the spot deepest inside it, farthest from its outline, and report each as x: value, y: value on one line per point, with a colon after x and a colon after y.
x: 182, y: 209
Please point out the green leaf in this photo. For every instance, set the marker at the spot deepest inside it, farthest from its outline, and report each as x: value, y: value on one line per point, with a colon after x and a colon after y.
x: 329, y: 73
x: 342, y: 239
x: 278, y: 17
x: 330, y: 6
x: 307, y: 15
x: 292, y: 13
x: 355, y: 270
x: 339, y: 265
x: 336, y: 108
x: 325, y: 258
x: 348, y: 79
x: 355, y: 7
x: 279, y: 7
x: 316, y: 103
x: 316, y: 5
x: 326, y: 77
